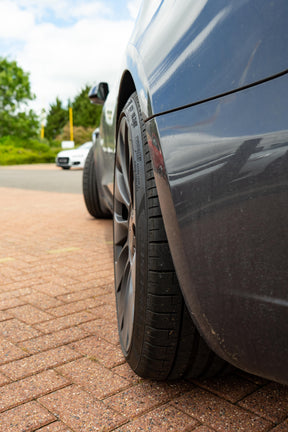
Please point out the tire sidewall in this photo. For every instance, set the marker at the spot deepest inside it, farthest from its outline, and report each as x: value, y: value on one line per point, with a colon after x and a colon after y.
x: 136, y: 137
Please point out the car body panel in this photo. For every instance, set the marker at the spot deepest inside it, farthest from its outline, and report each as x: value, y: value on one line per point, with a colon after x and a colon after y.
x: 104, y: 166
x: 104, y: 154
x: 223, y: 191
x: 224, y: 46
x: 214, y: 98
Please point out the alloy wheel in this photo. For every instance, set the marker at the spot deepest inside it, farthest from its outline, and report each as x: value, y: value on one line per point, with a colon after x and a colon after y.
x: 124, y: 234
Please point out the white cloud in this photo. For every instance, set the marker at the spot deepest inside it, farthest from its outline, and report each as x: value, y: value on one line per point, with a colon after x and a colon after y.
x: 133, y: 7
x: 14, y: 23
x: 63, y: 9
x: 89, y: 10
x: 62, y: 58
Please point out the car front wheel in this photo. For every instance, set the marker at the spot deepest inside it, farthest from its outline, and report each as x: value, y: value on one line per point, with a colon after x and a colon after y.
x: 90, y: 188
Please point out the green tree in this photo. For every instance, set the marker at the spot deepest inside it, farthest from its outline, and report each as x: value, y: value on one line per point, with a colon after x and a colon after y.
x: 84, y: 113
x: 56, y: 119
x: 15, y: 93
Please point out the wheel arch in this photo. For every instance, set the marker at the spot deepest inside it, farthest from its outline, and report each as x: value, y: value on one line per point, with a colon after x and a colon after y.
x: 126, y: 89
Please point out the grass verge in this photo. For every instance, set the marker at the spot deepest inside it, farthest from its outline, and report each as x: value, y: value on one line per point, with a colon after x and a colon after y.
x: 16, y: 151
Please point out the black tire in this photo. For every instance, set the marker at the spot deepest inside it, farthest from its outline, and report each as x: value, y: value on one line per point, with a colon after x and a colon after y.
x: 157, y: 335
x: 66, y: 168
x: 90, y: 188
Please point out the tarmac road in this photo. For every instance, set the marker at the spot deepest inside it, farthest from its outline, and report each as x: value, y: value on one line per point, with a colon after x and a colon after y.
x: 42, y: 177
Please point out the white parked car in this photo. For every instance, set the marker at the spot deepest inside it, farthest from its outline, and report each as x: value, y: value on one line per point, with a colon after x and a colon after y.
x: 74, y: 157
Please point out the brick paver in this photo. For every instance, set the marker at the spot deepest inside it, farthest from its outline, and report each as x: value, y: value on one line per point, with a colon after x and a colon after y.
x: 61, y: 367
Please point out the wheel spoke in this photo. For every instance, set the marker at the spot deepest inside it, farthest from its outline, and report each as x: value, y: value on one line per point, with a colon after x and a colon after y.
x: 123, y: 158
x: 121, y: 265
x: 121, y: 295
x: 120, y: 230
x: 126, y: 310
x: 122, y: 193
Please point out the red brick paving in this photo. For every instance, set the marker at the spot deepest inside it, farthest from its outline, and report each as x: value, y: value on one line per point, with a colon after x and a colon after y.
x: 27, y: 417
x: 61, y: 368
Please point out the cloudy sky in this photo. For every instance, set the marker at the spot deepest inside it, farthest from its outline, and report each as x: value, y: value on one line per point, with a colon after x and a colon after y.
x: 65, y: 44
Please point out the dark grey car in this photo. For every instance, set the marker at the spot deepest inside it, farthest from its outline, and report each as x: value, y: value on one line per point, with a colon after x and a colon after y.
x: 194, y: 141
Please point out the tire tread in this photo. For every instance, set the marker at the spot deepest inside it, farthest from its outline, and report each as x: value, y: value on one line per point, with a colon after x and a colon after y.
x: 90, y: 188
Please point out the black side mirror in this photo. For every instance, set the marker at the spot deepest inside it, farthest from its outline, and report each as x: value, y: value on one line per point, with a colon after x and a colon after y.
x: 99, y: 93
